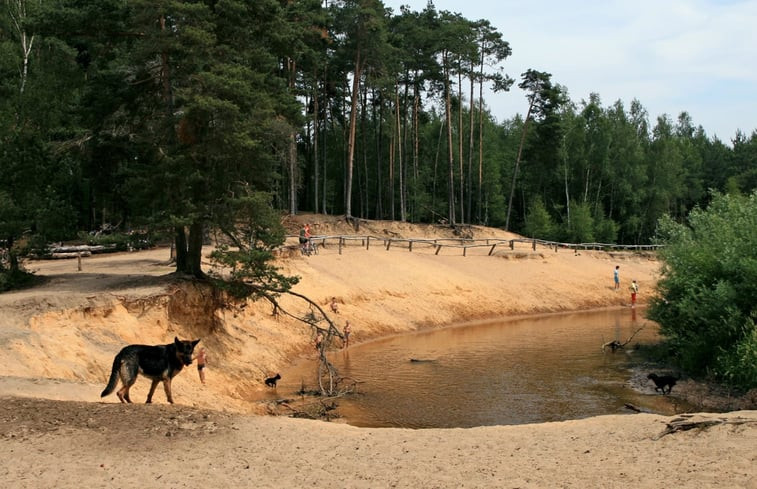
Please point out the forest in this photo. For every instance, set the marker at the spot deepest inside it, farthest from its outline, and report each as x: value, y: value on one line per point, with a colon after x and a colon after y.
x: 183, y: 115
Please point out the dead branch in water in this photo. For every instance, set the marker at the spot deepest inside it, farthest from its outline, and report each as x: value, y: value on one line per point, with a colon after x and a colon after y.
x: 314, y: 406
x: 617, y: 345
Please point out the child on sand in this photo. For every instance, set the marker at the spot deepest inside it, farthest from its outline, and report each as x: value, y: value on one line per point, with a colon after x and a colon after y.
x: 202, y: 358
x: 347, y: 331
x: 616, y: 277
x: 634, y: 291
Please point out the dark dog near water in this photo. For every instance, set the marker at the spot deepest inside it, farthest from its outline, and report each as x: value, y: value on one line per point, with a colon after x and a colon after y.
x: 271, y: 381
x: 159, y: 363
x: 662, y: 381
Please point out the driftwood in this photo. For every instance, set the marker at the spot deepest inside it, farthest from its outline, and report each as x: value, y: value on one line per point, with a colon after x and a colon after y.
x: 617, y: 345
x: 686, y: 423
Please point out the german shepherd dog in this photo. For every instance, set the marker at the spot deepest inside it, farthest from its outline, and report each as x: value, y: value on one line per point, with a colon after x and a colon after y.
x: 159, y: 363
x: 271, y: 381
x: 662, y: 381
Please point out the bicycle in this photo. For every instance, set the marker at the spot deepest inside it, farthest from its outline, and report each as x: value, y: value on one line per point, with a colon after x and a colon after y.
x: 309, y: 248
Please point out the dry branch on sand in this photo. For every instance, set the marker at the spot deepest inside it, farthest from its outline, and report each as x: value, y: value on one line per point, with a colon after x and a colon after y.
x: 687, y: 422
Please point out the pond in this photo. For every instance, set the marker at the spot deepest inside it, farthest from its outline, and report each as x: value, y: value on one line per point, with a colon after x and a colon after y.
x: 532, y: 370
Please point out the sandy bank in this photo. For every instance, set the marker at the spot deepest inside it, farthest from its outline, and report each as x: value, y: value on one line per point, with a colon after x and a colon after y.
x: 59, y: 339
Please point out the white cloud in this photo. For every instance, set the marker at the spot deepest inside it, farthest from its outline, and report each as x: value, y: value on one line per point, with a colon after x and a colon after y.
x: 697, y: 56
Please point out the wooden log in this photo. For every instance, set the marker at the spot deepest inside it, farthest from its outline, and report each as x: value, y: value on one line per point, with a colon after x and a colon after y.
x: 68, y: 255
x: 492, y: 248
x: 438, y: 248
x: 82, y: 248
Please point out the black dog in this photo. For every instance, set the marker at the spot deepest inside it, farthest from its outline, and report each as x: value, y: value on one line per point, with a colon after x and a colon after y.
x: 271, y: 381
x: 662, y: 381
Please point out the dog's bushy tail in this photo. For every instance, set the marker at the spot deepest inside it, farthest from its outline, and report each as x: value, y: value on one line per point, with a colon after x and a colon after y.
x: 113, y: 377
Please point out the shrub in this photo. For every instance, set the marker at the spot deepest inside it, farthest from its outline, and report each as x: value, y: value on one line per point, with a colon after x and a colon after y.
x: 705, y: 305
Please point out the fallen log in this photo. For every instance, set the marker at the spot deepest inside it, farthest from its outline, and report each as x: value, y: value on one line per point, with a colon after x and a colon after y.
x: 62, y: 256
x: 83, y: 248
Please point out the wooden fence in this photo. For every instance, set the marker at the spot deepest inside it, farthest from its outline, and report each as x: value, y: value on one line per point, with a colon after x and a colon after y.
x: 340, y: 241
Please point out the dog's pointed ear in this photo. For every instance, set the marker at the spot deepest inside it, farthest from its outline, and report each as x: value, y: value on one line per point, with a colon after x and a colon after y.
x: 194, y: 343
x: 176, y: 340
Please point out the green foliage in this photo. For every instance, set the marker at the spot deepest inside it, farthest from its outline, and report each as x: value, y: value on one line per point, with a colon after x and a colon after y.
x: 253, y: 229
x: 161, y: 115
x: 539, y: 224
x: 14, y: 279
x: 580, y: 229
x: 706, y: 294
x: 605, y: 230
x: 134, y: 240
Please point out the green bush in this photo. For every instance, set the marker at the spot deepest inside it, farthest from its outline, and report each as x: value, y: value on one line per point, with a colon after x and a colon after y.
x: 539, y: 223
x: 706, y: 296
x: 122, y: 241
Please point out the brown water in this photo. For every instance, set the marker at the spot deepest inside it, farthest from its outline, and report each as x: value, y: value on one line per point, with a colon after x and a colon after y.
x: 512, y: 372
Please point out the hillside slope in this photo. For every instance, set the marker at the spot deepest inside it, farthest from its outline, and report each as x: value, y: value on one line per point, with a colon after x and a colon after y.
x: 59, y: 338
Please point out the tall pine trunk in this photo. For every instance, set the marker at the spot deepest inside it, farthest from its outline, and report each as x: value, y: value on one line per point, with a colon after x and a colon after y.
x: 450, y: 149
x: 351, y: 137
x: 460, y: 139
x: 517, y: 163
x: 400, y: 166
x: 292, y: 150
x: 469, y: 179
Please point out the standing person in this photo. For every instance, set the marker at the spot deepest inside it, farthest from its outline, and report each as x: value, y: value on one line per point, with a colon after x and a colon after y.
x: 616, y: 277
x: 334, y: 306
x: 347, y: 331
x: 304, y: 236
x: 202, y: 358
x: 634, y: 291
x: 318, y: 341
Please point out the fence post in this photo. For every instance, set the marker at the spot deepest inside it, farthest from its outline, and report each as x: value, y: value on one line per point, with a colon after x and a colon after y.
x: 438, y: 249
x: 533, y: 245
x: 492, y: 248
x: 341, y: 239
x: 367, y: 242
x: 512, y: 244
x: 388, y: 244
x: 410, y: 245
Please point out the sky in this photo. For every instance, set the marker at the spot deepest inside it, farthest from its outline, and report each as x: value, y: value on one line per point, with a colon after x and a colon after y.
x: 698, y: 56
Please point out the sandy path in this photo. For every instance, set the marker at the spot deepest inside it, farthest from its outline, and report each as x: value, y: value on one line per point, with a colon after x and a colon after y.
x: 104, y: 445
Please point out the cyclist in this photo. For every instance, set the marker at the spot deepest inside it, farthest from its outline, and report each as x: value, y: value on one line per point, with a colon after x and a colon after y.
x: 305, y: 239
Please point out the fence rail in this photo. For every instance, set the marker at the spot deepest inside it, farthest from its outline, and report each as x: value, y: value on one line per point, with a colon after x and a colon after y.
x: 462, y: 243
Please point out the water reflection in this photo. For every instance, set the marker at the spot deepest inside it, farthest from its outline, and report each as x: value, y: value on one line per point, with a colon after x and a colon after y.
x: 524, y: 371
